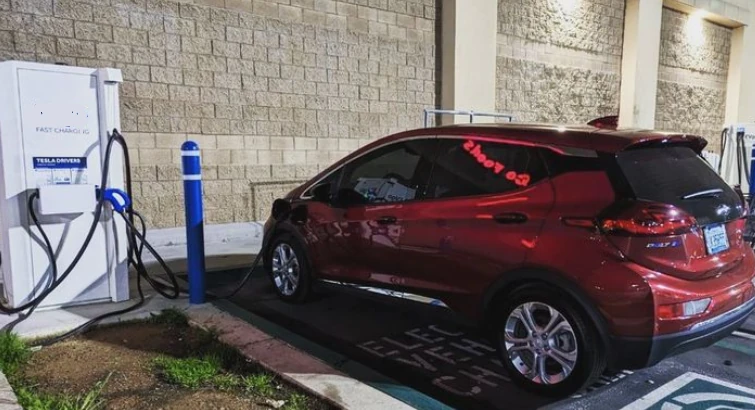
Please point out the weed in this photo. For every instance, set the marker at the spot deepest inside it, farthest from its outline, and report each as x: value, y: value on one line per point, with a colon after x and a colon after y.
x: 91, y: 400
x: 260, y: 384
x: 228, y: 357
x: 226, y: 381
x: 173, y: 317
x: 189, y: 373
x: 13, y: 352
x: 297, y: 402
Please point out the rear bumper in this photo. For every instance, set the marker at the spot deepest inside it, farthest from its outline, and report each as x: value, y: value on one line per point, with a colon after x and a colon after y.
x: 636, y: 353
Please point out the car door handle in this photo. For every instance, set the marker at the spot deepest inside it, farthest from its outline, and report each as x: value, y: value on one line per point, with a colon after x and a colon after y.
x: 386, y: 220
x: 510, y: 218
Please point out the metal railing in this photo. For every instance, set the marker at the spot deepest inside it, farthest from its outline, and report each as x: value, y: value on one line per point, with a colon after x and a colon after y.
x: 471, y: 114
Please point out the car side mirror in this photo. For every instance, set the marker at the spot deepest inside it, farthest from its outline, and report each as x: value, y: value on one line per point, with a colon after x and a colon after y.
x: 321, y: 193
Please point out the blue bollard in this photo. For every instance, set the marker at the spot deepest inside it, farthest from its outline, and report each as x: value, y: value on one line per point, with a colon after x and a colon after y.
x: 192, y: 176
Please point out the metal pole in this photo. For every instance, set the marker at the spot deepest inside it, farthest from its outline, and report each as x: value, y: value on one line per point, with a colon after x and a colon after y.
x: 751, y: 182
x: 192, y: 177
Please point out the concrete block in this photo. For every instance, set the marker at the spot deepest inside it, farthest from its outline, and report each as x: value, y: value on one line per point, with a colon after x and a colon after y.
x: 76, y: 48
x: 38, y: 7
x: 214, y: 95
x: 72, y: 9
x: 148, y: 56
x: 41, y: 25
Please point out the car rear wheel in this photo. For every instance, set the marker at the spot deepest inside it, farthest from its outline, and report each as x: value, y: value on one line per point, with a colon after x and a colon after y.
x: 288, y: 269
x: 545, y: 343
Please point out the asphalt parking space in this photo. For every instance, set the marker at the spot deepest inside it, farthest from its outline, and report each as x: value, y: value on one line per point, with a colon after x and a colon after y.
x: 429, y: 350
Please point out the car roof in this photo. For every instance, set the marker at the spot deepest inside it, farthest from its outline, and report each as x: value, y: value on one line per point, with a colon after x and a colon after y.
x: 565, y: 136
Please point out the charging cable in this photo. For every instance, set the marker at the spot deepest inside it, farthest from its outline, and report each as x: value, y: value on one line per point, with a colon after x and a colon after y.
x: 121, y: 203
x: 34, y: 302
x: 136, y: 243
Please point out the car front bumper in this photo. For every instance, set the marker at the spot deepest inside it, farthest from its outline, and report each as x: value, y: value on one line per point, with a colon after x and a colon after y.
x: 636, y: 353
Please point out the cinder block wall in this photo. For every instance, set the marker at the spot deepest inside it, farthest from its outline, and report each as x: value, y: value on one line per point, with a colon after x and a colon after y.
x: 694, y: 64
x: 272, y: 90
x: 559, y: 61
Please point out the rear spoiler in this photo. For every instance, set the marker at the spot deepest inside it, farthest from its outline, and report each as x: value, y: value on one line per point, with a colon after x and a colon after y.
x: 695, y: 142
x: 610, y: 122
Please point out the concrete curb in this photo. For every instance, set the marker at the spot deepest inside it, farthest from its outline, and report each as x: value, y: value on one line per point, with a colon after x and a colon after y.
x: 275, y: 355
x: 293, y: 365
x: 8, y: 399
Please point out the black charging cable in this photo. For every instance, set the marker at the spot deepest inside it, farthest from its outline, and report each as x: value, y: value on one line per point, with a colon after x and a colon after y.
x: 136, y: 244
x: 135, y: 250
x: 34, y: 302
x: 53, y: 263
x: 722, y: 148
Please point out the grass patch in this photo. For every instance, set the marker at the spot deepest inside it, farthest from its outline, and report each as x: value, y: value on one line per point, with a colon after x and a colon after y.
x: 260, y: 384
x: 172, y: 317
x: 226, y: 381
x: 14, y: 352
x: 296, y: 401
x: 180, y: 355
x: 190, y: 373
x: 91, y: 400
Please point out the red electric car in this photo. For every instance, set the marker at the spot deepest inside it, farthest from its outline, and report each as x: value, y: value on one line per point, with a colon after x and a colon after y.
x: 582, y: 248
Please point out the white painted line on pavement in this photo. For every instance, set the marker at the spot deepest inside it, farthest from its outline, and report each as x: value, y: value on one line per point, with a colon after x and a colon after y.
x: 744, y: 335
x: 655, y: 396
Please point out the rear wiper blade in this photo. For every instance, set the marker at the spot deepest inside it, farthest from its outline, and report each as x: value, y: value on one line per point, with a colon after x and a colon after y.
x: 708, y: 193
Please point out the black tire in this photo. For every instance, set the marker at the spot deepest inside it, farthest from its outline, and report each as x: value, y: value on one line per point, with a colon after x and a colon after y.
x: 303, y: 290
x: 590, y: 361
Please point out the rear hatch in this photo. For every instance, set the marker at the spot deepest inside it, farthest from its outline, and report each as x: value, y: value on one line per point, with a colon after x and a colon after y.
x: 676, y: 216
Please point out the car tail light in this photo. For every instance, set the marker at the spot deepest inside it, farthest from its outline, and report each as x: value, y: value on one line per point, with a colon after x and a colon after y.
x: 648, y: 219
x: 683, y: 310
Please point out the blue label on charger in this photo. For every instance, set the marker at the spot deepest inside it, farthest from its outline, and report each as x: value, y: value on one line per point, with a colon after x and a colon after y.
x: 60, y: 162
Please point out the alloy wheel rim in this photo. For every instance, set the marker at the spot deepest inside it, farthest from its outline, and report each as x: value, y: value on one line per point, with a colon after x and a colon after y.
x: 540, y: 343
x: 286, y: 269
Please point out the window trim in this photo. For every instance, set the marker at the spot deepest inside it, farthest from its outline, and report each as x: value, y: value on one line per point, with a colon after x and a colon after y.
x: 476, y: 137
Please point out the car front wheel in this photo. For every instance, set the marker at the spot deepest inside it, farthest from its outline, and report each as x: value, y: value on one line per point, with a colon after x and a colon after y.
x: 289, y: 270
x: 545, y: 344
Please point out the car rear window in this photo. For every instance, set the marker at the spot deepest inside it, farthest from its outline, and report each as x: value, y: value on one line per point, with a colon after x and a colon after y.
x: 669, y: 174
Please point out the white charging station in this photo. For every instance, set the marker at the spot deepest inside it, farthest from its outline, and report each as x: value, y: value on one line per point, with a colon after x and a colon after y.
x: 54, y: 124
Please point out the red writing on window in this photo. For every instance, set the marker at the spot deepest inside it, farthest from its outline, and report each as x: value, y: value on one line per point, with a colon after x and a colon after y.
x: 475, y: 150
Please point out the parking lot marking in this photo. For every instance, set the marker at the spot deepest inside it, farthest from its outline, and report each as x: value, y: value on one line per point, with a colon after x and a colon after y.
x: 603, y: 381
x: 744, y: 335
x: 695, y: 391
x: 459, y: 363
x: 731, y: 344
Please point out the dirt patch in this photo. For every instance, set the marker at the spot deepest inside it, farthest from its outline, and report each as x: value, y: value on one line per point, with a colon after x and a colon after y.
x: 126, y: 354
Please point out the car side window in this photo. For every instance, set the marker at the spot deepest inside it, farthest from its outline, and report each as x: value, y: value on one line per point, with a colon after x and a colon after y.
x: 468, y: 167
x: 395, y: 173
x: 332, y: 179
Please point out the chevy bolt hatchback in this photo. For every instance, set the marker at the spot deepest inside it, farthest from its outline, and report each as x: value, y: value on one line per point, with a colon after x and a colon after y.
x: 581, y: 248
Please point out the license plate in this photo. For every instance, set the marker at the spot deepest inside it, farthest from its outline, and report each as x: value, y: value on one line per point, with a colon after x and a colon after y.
x: 715, y: 239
